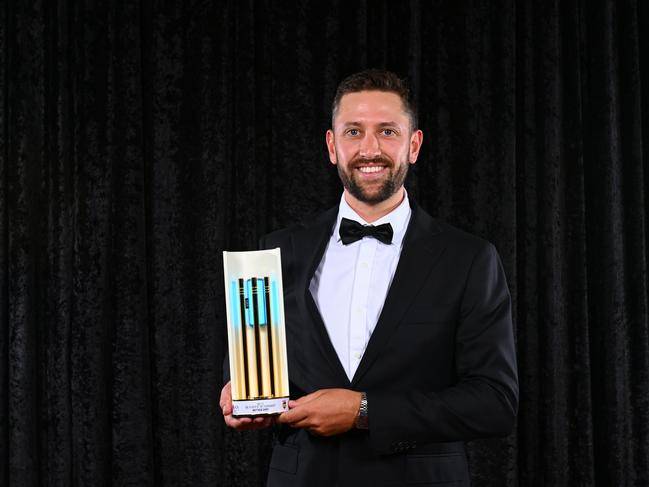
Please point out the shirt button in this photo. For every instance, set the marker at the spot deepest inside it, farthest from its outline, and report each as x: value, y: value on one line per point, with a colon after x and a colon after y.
x: 357, y: 355
x: 364, y: 265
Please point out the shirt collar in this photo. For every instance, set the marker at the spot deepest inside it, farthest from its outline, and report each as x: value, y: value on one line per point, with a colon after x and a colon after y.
x: 398, y: 218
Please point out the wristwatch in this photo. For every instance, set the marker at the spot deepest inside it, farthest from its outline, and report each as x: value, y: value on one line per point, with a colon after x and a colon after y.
x: 362, y: 422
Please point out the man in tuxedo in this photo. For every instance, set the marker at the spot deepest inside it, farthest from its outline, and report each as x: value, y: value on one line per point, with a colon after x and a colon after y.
x: 399, y: 332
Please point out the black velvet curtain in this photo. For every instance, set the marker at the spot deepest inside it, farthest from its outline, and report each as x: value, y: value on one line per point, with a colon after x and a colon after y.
x: 140, y: 139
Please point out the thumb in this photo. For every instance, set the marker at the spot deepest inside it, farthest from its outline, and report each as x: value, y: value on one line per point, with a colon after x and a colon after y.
x: 227, y: 409
x: 225, y: 402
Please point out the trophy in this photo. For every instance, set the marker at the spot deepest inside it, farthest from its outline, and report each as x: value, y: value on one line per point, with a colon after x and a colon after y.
x: 256, y: 332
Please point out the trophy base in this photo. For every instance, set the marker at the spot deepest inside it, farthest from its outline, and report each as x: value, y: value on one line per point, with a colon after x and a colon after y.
x: 260, y: 407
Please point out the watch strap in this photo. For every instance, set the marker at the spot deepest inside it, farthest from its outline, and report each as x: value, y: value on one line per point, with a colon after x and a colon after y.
x: 362, y: 417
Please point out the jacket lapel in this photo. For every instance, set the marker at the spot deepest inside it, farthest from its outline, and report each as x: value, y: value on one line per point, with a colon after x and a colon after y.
x: 309, y: 245
x: 421, y: 250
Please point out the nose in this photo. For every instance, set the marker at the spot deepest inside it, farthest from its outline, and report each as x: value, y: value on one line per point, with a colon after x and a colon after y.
x: 369, y: 146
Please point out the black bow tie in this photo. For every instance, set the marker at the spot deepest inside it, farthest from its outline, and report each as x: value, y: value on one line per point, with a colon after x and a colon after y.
x: 351, y: 231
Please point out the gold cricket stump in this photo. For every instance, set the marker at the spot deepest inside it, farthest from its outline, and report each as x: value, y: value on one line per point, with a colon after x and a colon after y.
x: 256, y: 332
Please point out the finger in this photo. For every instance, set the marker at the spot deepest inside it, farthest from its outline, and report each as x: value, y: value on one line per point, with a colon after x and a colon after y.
x: 236, y: 423
x: 307, y: 398
x: 262, y: 420
x: 247, y: 423
x: 292, y: 416
x: 285, y: 418
x: 306, y: 423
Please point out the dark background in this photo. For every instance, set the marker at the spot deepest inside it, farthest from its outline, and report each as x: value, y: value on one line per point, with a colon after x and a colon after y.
x: 140, y: 139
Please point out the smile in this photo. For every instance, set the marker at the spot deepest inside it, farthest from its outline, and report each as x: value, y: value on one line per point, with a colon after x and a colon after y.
x: 371, y: 169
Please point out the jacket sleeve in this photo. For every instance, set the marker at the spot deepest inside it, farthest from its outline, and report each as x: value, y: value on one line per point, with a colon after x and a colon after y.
x: 484, y: 400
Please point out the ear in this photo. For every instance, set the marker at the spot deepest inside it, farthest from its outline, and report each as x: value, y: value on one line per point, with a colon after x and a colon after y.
x: 416, y: 139
x: 331, y: 146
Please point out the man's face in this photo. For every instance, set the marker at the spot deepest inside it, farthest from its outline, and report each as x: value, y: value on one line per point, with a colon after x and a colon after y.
x: 372, y: 145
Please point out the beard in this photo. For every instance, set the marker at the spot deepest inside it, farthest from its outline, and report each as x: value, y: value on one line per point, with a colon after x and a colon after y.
x: 376, y: 191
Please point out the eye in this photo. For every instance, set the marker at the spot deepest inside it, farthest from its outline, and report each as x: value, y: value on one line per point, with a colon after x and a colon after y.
x: 388, y: 132
x: 353, y: 132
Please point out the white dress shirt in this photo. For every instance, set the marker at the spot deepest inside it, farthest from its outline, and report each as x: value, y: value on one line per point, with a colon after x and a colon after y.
x: 352, y: 281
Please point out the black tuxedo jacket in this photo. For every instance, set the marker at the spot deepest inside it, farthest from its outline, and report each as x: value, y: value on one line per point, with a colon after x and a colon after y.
x: 439, y: 368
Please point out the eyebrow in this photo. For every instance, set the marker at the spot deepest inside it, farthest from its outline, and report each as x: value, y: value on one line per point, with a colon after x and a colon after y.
x: 382, y: 124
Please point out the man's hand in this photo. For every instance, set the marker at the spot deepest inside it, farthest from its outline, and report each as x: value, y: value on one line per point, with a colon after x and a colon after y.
x: 325, y: 412
x: 241, y: 424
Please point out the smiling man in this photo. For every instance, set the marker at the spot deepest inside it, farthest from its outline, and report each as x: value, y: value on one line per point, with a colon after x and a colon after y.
x: 399, y: 331
x: 372, y: 145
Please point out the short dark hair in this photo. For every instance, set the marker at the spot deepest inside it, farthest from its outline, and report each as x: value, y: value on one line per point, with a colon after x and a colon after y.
x: 376, y: 80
